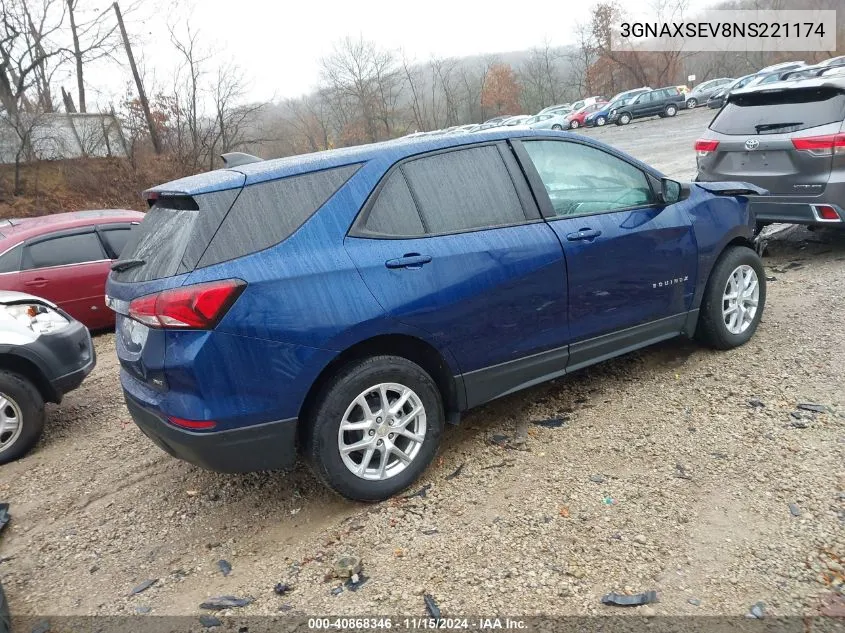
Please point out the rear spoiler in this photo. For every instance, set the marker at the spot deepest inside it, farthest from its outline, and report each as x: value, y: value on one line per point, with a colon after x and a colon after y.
x: 732, y: 188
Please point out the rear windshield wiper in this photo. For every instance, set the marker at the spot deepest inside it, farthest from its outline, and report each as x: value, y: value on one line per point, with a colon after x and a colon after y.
x: 127, y: 264
x: 765, y: 127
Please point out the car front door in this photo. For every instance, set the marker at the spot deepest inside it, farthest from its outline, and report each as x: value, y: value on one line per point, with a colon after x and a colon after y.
x: 631, y: 260
x: 69, y: 269
x: 641, y: 105
x: 452, y: 245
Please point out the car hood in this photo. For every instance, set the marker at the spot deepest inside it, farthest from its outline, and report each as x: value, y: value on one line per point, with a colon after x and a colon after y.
x: 8, y: 297
x: 732, y: 188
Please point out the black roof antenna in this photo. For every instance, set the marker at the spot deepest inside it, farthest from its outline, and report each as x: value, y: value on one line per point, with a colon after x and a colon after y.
x: 236, y: 159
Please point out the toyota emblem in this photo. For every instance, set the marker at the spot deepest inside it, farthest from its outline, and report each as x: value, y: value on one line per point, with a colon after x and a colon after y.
x: 752, y: 144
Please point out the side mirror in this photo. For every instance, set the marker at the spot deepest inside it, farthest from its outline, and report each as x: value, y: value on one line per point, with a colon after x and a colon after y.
x: 670, y: 191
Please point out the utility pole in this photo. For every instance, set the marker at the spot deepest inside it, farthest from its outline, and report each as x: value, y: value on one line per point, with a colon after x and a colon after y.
x: 145, y: 105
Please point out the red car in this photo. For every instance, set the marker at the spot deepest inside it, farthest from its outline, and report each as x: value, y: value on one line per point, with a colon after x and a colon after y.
x: 576, y: 119
x: 66, y: 258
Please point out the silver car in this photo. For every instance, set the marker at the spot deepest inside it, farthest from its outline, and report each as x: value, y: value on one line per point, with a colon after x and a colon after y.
x: 702, y: 92
x: 786, y: 137
x: 548, y: 121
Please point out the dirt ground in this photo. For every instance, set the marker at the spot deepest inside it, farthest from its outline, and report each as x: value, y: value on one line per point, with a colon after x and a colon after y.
x: 676, y: 469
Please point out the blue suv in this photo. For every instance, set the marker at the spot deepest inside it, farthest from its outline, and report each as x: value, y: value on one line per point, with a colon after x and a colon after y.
x: 348, y: 304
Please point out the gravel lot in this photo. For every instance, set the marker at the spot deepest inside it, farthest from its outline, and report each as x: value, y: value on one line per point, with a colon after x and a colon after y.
x: 674, y: 470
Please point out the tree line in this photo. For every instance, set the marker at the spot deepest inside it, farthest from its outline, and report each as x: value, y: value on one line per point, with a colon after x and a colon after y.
x: 364, y: 92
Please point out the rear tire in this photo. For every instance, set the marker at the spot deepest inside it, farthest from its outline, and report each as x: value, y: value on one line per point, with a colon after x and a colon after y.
x: 719, y: 325
x: 671, y: 110
x: 21, y: 416
x: 339, y: 420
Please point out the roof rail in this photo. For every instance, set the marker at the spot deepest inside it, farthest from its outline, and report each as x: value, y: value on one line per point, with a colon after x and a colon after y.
x: 236, y: 159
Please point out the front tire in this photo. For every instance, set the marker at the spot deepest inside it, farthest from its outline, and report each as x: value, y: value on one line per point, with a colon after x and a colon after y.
x: 733, y: 300
x: 691, y: 103
x: 21, y: 416
x: 375, y: 428
x: 601, y: 121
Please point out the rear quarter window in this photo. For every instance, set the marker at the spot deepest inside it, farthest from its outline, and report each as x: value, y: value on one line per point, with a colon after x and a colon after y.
x: 394, y: 212
x: 780, y: 112
x: 266, y: 213
x: 10, y: 261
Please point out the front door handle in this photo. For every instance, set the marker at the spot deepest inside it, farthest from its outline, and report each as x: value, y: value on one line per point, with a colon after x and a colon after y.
x: 583, y: 235
x: 408, y: 260
x: 38, y: 282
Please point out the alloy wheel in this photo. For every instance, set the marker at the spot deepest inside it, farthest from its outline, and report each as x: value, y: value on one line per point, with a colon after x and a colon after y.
x: 382, y: 431
x: 740, y: 299
x: 11, y: 422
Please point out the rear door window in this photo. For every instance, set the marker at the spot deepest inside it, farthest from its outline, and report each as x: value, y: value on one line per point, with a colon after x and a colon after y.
x: 63, y: 251
x: 780, y: 112
x: 116, y: 239
x: 463, y: 190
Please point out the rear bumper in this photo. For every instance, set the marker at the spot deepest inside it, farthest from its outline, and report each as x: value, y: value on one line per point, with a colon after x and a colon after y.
x: 770, y: 209
x: 268, y: 446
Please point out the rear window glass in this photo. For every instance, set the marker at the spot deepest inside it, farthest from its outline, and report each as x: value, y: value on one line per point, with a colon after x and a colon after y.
x: 464, y: 189
x: 780, y: 112
x: 268, y: 212
x: 159, y: 242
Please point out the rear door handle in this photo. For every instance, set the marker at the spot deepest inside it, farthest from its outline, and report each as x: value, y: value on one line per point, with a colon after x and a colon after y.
x: 38, y: 282
x: 408, y: 260
x: 583, y: 234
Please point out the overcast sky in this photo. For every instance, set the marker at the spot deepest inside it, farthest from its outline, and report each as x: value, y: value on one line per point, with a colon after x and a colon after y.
x: 278, y: 44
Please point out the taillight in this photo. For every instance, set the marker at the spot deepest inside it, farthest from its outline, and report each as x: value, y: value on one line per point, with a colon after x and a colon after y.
x: 704, y: 146
x: 192, y: 424
x: 826, y: 145
x: 197, y: 307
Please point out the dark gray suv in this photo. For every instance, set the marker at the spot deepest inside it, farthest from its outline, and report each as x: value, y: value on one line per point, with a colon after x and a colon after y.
x: 788, y: 138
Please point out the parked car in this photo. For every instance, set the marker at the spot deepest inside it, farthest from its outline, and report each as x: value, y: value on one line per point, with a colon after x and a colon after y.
x: 576, y: 119
x: 627, y: 94
x: 548, y: 121
x: 585, y: 102
x: 788, y: 139
x: 684, y: 90
x: 663, y: 102
x: 65, y: 258
x: 560, y: 106
x: 44, y: 353
x: 353, y: 301
x: 496, y: 120
x: 717, y: 99
x: 702, y: 91
x: 516, y: 120
x: 600, y: 116
x: 833, y: 61
x: 781, y: 67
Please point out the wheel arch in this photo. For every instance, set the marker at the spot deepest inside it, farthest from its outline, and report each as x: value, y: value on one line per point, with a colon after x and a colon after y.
x: 408, y: 347
x: 16, y: 364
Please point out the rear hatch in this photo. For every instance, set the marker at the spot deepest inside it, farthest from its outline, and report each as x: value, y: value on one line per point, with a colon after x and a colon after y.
x: 166, y: 247
x: 781, y: 139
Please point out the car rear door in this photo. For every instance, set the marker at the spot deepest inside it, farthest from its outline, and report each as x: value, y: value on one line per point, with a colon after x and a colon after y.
x: 632, y: 262
x: 782, y: 140
x: 69, y: 269
x: 452, y: 245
